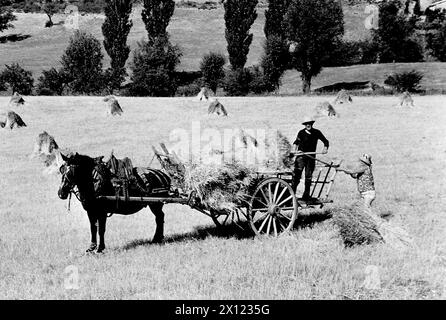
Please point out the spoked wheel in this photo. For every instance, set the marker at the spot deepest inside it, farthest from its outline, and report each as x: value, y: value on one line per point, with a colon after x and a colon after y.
x: 273, y: 208
x: 223, y: 219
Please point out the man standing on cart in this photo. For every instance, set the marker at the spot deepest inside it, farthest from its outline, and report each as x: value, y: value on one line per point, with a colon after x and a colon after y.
x: 305, y: 149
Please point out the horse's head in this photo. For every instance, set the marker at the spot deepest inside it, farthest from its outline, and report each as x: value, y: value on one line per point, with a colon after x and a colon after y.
x: 70, y: 172
x: 76, y: 170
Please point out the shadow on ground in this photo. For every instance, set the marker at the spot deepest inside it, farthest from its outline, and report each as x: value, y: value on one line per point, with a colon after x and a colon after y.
x: 14, y: 37
x: 241, y: 230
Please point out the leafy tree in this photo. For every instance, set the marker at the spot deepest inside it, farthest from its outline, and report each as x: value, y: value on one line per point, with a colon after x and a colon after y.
x: 274, y: 15
x: 82, y: 63
x: 405, y: 81
x: 6, y: 16
x: 275, y: 61
x: 436, y: 33
x: 211, y: 67
x: 314, y: 27
x: 394, y: 35
x: 51, y: 7
x: 18, y: 79
x: 237, y: 82
x: 156, y: 16
x: 153, y: 68
x: 52, y: 82
x: 115, y: 29
x: 239, y: 17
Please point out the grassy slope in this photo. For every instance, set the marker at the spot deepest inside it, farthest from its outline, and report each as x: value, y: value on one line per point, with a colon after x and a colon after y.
x: 196, y: 31
x: 434, y: 75
x: 38, y: 240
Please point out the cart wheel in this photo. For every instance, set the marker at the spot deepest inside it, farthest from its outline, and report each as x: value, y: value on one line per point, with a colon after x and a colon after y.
x: 272, y: 208
x: 223, y: 219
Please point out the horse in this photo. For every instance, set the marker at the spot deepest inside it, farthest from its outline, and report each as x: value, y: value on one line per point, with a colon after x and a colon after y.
x: 79, y: 172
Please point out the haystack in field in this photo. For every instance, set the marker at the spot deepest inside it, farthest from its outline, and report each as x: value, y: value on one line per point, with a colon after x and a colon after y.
x: 113, y: 107
x: 216, y: 107
x: 325, y: 109
x: 16, y: 100
x: 405, y: 100
x: 47, y: 150
x: 343, y: 97
x: 204, y: 94
x: 45, y: 144
x: 13, y: 120
x: 359, y: 225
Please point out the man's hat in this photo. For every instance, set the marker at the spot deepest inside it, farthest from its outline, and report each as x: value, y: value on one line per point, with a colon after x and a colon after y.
x: 366, y: 158
x: 308, y: 119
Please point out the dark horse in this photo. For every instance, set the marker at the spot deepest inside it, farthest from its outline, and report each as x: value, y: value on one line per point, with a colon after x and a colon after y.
x: 79, y: 171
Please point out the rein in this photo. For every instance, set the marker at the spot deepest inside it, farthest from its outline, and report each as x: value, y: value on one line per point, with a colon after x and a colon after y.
x: 76, y: 193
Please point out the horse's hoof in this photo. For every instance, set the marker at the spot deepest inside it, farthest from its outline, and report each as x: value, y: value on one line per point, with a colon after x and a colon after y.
x: 91, y: 248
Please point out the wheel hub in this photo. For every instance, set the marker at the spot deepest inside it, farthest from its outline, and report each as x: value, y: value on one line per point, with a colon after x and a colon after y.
x: 274, y: 210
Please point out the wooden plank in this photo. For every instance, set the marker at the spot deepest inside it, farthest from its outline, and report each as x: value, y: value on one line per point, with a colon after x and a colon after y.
x: 316, y: 182
x: 145, y: 199
x: 163, y: 146
x: 325, y: 181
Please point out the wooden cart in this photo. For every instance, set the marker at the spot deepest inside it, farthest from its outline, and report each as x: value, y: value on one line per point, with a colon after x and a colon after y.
x: 272, y: 206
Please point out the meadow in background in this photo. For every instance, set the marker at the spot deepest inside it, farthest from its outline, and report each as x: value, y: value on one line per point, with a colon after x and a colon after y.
x: 198, y: 32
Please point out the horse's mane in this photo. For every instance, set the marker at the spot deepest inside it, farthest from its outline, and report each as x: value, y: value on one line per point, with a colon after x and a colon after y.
x: 84, y: 161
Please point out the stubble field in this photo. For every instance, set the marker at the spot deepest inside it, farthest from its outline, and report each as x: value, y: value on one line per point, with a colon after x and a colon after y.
x: 41, y: 246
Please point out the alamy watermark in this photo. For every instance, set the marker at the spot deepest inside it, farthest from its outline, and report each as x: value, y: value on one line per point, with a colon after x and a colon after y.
x: 227, y: 145
x: 71, y: 278
x: 372, y: 279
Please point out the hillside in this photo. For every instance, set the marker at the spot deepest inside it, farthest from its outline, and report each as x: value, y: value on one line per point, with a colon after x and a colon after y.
x: 196, y: 31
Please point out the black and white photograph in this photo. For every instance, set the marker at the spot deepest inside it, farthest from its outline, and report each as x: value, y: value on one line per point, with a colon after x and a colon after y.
x: 248, y: 151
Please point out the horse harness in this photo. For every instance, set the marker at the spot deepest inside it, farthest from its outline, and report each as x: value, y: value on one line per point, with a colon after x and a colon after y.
x: 124, y: 178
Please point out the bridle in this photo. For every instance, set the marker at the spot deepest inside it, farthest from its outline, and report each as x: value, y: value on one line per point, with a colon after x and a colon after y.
x: 73, y: 189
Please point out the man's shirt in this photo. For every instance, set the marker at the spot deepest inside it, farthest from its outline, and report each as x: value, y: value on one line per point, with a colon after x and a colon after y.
x: 307, y: 140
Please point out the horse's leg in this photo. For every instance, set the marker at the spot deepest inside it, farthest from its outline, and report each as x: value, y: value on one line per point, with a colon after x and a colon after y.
x: 157, y: 209
x: 93, y: 229
x: 102, y: 222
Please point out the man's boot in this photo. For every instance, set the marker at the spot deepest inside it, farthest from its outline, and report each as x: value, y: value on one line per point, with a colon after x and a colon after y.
x: 306, y: 194
x: 295, y: 181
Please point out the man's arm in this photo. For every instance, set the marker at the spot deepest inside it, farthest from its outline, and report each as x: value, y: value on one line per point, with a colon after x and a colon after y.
x: 324, y: 141
x: 296, y: 143
x: 353, y: 171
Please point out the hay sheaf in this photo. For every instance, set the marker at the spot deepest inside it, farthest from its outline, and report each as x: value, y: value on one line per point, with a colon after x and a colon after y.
x: 356, y: 227
x: 359, y: 225
x: 219, y: 187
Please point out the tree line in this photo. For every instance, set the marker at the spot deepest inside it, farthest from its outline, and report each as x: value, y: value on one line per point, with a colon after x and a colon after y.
x: 304, y: 35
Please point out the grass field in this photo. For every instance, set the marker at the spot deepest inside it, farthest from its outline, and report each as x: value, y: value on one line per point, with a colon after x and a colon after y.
x: 41, y: 245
